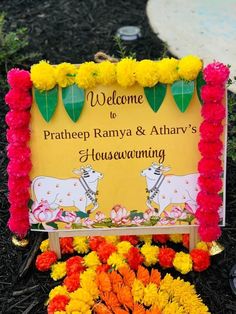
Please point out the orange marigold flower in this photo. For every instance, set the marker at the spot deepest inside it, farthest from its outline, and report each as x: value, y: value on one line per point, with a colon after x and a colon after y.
x: 45, y: 260
x: 143, y: 275
x: 58, y: 303
x: 185, y: 239
x: 138, y: 309
x: 201, y: 259
x: 105, y: 250
x: 162, y: 238
x: 94, y: 242
x: 74, y: 265
x: 72, y: 282
x: 125, y: 297
x: 128, y: 276
x: 66, y: 245
x: 103, y: 267
x: 119, y: 310
x: 110, y: 299
x: 155, y: 277
x: 134, y: 258
x: 103, y: 282
x: 166, y: 257
x: 116, y: 280
x: 133, y: 239
x: 100, y: 308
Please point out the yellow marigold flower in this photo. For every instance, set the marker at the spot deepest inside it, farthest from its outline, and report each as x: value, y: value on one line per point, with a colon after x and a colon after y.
x: 82, y: 295
x: 189, y: 67
x: 202, y: 246
x: 166, y: 282
x: 87, y: 75
x: 162, y: 299
x: 183, y: 262
x: 43, y: 75
x: 78, y: 307
x: 44, y: 246
x: 123, y: 247
x: 168, y: 70
x: 137, y: 290
x: 92, y: 260
x: 147, y: 238
x: 125, y: 71
x: 173, y: 307
x: 116, y: 260
x: 65, y: 74
x: 150, y: 253
x: 147, y: 73
x: 176, y: 238
x: 106, y: 73
x: 150, y: 294
x: 58, y: 290
x: 88, y: 283
x: 60, y: 312
x: 112, y: 239
x: 80, y: 244
x: 58, y: 270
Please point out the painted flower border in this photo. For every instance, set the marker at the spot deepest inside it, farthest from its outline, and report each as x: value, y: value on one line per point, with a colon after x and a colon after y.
x: 19, y: 100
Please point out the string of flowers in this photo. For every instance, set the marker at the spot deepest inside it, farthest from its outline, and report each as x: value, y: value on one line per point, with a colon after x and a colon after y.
x: 112, y: 277
x: 126, y: 73
x: 19, y: 100
x: 210, y: 146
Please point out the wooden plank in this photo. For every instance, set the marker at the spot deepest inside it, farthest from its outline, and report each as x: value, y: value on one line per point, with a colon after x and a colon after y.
x: 54, y: 243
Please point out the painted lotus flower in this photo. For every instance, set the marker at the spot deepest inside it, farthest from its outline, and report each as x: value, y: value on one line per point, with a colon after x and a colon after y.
x: 66, y: 216
x: 87, y: 222
x: 190, y: 209
x: 119, y: 215
x: 100, y: 216
x: 43, y: 213
x: 150, y: 213
x: 137, y: 220
x: 176, y: 213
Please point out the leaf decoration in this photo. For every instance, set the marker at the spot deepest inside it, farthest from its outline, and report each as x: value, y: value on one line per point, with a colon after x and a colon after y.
x: 46, y: 102
x: 182, y: 92
x: 200, y: 83
x: 155, y: 95
x: 73, y: 99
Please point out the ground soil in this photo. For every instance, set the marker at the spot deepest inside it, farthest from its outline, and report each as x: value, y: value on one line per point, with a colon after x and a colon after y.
x: 74, y: 31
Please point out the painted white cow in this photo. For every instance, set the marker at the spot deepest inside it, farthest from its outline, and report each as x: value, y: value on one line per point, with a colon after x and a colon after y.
x: 77, y: 192
x: 170, y: 189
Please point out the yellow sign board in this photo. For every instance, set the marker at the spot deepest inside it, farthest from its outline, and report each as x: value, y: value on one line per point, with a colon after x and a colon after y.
x: 120, y: 164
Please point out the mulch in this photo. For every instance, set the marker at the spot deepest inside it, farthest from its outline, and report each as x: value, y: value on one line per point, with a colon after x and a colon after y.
x: 74, y: 31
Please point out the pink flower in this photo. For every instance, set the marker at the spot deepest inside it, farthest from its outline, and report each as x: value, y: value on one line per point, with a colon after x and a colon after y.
x: 100, y: 216
x: 17, y: 119
x: 176, y: 213
x: 87, y: 222
x: 18, y: 136
x: 66, y: 216
x: 19, y: 79
x: 119, y: 215
x: 150, y: 213
x: 165, y: 221
x: 137, y: 220
x: 212, y: 93
x: 189, y: 209
x: 43, y: 213
x: 216, y: 73
x: 18, y: 99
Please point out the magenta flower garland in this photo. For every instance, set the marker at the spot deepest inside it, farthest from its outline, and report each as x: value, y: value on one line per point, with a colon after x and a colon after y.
x: 19, y: 100
x: 210, y: 146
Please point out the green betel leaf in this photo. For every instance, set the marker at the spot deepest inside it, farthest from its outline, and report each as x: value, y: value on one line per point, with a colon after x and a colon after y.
x: 182, y: 92
x: 47, y: 102
x: 200, y: 83
x: 73, y: 99
x: 155, y: 95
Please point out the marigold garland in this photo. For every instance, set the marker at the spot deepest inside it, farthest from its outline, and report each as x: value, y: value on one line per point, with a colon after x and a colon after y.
x: 19, y: 100
x: 210, y: 147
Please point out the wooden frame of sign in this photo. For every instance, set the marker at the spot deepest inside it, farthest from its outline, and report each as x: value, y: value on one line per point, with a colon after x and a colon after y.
x: 137, y: 146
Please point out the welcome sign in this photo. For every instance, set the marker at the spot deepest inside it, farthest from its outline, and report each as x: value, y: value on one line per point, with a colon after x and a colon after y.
x: 120, y: 164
